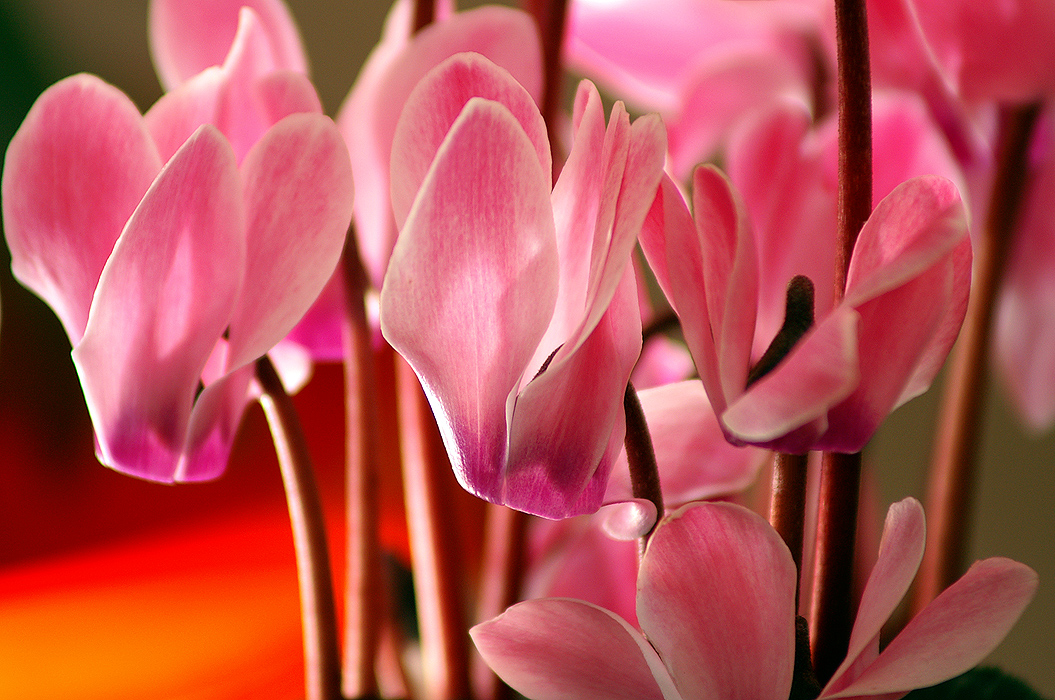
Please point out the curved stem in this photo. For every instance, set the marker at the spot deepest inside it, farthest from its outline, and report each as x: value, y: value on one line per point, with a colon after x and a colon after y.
x: 362, y: 428
x: 319, y: 613
x: 953, y: 469
x: 644, y: 473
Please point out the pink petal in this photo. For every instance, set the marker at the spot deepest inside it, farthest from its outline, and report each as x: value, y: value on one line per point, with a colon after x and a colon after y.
x: 695, y: 460
x: 188, y: 36
x: 368, y: 117
x: 164, y: 299
x: 74, y: 172
x: 559, y: 461
x: 668, y: 224
x: 952, y: 634
x: 298, y: 194
x: 434, y: 106
x: 716, y: 597
x: 560, y: 649
x: 472, y: 284
x: 213, y: 426
x: 900, y: 553
x: 820, y: 371
x: 629, y: 520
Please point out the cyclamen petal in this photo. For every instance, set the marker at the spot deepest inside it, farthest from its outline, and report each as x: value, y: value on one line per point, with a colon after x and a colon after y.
x: 74, y: 172
x: 140, y: 362
x: 188, y: 36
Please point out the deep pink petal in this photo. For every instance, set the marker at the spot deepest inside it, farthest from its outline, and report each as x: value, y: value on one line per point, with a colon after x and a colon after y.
x: 559, y: 462
x: 74, y: 172
x: 716, y: 597
x: 952, y: 634
x: 164, y: 299
x: 472, y: 284
x: 188, y: 36
x: 368, y: 117
x: 695, y: 460
x: 298, y: 194
x: 900, y: 553
x: 561, y: 649
x: 213, y: 426
x: 433, y: 107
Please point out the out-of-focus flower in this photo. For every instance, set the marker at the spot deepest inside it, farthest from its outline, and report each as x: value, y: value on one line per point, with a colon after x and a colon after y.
x: 715, y: 603
x: 841, y: 378
x: 170, y: 278
x: 516, y: 306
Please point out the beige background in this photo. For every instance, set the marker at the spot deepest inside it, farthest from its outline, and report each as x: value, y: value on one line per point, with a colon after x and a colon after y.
x: 1017, y: 484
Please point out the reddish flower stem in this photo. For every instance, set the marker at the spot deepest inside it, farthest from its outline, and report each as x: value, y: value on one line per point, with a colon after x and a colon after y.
x: 551, y: 18
x: 833, y: 605
x: 424, y: 15
x: 362, y: 428
x: 322, y: 667
x: 952, y: 475
x: 438, y: 575
x: 787, y: 505
x: 502, y: 575
x: 641, y: 457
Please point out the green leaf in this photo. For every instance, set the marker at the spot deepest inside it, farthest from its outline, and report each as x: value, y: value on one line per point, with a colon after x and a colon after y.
x: 978, y: 684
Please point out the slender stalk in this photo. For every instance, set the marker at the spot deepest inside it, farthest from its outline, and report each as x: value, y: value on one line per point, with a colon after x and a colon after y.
x: 437, y: 567
x: 952, y: 475
x: 362, y: 429
x: 502, y: 575
x: 644, y: 474
x: 424, y: 15
x: 551, y: 18
x: 787, y: 505
x: 833, y: 605
x: 322, y: 668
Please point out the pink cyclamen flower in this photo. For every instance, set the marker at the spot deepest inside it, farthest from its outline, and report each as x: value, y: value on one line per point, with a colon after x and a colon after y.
x: 170, y: 278
x: 715, y: 601
x: 516, y: 305
x: 905, y: 299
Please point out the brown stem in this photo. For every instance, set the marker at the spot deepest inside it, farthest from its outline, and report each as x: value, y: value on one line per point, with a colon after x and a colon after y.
x: 424, y: 15
x: 787, y: 506
x: 322, y: 668
x: 502, y: 575
x: 362, y: 587
x: 952, y: 475
x: 438, y: 579
x: 833, y: 604
x: 551, y: 17
x: 644, y: 473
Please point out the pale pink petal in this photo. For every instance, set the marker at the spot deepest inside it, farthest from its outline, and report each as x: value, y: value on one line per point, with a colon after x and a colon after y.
x: 561, y: 649
x: 716, y: 597
x: 434, y: 106
x: 629, y: 520
x: 820, y: 371
x: 730, y: 282
x: 900, y: 553
x: 668, y: 224
x: 952, y: 634
x: 164, y: 299
x: 174, y: 117
x: 695, y: 460
x: 188, y: 36
x: 298, y: 194
x: 559, y: 462
x: 74, y: 172
x: 472, y: 284
x: 368, y: 117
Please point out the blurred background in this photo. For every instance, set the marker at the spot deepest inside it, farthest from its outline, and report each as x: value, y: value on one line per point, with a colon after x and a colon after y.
x: 112, y: 587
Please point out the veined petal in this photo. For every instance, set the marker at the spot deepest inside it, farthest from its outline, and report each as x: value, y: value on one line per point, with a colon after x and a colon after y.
x: 695, y: 460
x: 716, y: 597
x: 562, y: 649
x: 188, y: 36
x: 164, y: 299
x: 820, y: 371
x: 668, y: 223
x: 952, y: 634
x: 74, y: 172
x: 433, y: 107
x: 471, y: 285
x: 566, y: 418
x: 900, y: 553
x: 298, y: 194
x: 368, y: 117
